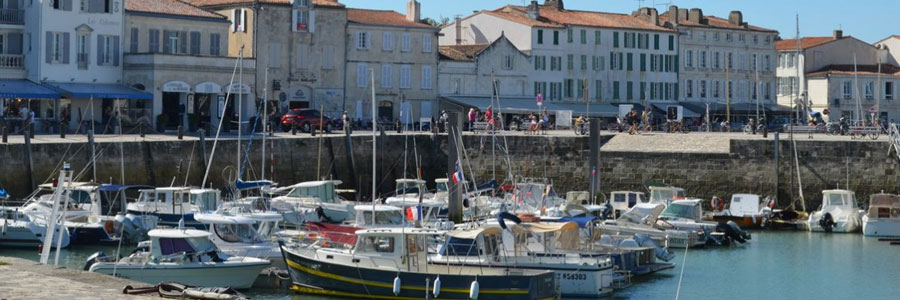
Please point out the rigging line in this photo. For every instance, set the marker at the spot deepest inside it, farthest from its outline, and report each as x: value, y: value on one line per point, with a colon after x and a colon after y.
x: 237, y: 62
x: 190, y: 162
x: 681, y: 274
x: 59, y: 164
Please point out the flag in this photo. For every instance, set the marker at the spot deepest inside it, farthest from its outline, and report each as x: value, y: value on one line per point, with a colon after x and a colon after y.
x: 458, y: 175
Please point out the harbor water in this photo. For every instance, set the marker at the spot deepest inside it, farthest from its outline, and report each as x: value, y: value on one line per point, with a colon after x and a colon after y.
x: 774, y: 265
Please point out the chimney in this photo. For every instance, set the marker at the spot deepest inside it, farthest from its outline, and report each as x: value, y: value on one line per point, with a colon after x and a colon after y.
x: 682, y: 14
x: 458, y: 31
x: 654, y: 17
x: 533, y: 11
x: 736, y: 18
x: 648, y: 14
x: 696, y: 15
x: 838, y: 34
x: 413, y: 11
x: 555, y: 3
x: 673, y: 14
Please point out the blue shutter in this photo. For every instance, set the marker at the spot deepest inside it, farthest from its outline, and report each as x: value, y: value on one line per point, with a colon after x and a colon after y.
x: 65, y: 48
x: 116, y: 53
x: 67, y: 5
x: 15, y: 42
x: 49, y: 47
x: 183, y: 42
x: 100, y: 50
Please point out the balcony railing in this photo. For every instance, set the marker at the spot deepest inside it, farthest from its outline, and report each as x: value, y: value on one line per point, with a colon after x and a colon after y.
x: 12, y: 16
x: 11, y: 61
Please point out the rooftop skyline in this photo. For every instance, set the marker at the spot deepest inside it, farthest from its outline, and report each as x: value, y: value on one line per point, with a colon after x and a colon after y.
x: 817, y: 18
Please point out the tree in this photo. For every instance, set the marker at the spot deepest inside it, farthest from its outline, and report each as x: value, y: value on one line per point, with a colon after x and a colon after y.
x: 442, y: 21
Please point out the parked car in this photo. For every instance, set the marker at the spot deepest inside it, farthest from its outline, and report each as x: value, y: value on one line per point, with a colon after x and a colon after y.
x: 306, y: 119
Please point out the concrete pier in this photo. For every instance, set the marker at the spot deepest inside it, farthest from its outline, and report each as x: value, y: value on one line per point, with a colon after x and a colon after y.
x: 25, y: 279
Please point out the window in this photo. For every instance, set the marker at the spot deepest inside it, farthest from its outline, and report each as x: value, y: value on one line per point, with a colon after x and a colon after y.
x: 613, y: 62
x: 362, y: 40
x: 615, y: 39
x: 405, y: 76
x: 729, y: 87
x: 376, y: 244
x: 689, y: 88
x: 869, y: 88
x: 628, y: 61
x: 889, y: 90
x: 754, y: 90
x: 426, y: 77
x: 730, y: 64
x: 643, y: 90
x: 301, y: 20
x: 616, y: 90
x: 583, y: 37
x: 768, y: 63
x: 426, y: 43
x: 753, y: 62
x: 716, y: 64
x: 689, y: 58
x: 405, y: 43
x: 361, y: 76
x: 728, y: 37
x: 715, y: 36
x: 239, y: 20
x: 715, y: 90
x: 690, y: 35
x: 386, y: 76
x: 598, y: 89
x: 580, y: 89
x: 569, y: 35
x: 570, y: 59
x: 388, y: 44
x: 741, y: 37
x: 195, y: 43
x: 108, y: 50
x: 768, y: 92
x: 92, y: 6
x: 702, y: 89
x: 153, y: 40
x: 508, y: 62
x: 556, y: 37
x: 134, y: 40
x: 703, y: 59
x: 170, y: 42
x: 214, y: 44
x: 755, y: 39
x: 629, y: 90
x: 537, y: 63
x: 83, y: 50
x: 652, y: 62
x: 540, y: 36
x: 568, y: 87
x: 702, y: 35
x: 671, y: 43
x: 643, y: 62
x: 597, y: 37
x: 584, y: 62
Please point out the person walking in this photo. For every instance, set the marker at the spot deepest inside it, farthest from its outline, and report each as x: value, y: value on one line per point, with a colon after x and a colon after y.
x: 545, y: 121
x: 752, y: 124
x: 765, y: 126
x: 645, y: 120
x: 489, y: 117
x: 472, y: 117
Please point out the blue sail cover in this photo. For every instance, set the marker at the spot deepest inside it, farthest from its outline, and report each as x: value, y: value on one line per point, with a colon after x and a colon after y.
x: 3, y: 193
x: 246, y: 185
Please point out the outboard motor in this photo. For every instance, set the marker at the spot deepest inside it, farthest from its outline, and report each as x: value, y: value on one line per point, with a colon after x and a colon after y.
x: 827, y: 222
x: 320, y: 212
x: 607, y: 211
x: 95, y: 258
x: 732, y: 231
x: 745, y: 235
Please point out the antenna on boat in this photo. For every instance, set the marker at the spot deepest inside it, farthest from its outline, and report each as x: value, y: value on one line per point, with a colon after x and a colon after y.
x: 374, y: 145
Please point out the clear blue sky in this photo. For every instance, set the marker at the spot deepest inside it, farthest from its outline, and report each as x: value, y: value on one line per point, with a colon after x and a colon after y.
x: 868, y: 20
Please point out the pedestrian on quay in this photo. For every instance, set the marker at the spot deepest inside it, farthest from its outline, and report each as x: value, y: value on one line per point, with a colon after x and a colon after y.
x: 633, y: 122
x: 489, y: 116
x: 472, y: 117
x: 765, y: 126
x: 545, y: 121
x: 645, y: 119
x: 752, y: 124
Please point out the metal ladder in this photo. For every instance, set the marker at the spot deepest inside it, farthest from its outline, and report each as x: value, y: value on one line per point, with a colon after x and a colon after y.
x: 894, y: 137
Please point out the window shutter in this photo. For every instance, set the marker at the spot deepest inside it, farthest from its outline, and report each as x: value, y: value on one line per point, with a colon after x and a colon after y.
x: 311, y: 26
x: 15, y: 42
x: 233, y: 19
x: 67, y: 5
x: 244, y: 20
x: 66, y: 48
x: 294, y: 13
x: 183, y: 41
x: 167, y: 42
x: 49, y: 47
x: 116, y: 53
x: 100, y: 50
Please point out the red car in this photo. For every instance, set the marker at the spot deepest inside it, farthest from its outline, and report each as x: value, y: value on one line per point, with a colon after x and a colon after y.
x: 306, y: 119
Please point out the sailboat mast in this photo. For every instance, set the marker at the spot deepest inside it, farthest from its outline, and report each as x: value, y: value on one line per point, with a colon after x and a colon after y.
x: 265, y: 122
x: 374, y: 149
x: 856, y: 87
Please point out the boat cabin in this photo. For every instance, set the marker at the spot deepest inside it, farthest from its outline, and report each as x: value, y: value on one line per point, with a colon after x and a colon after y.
x: 231, y: 229
x: 385, y: 215
x: 683, y: 209
x: 744, y: 205
x: 665, y: 194
x: 623, y: 200
x: 884, y: 206
x: 323, y: 190
x: 430, y: 208
x: 393, y: 248
x: 171, y: 245
x: 839, y: 198
x: 178, y: 200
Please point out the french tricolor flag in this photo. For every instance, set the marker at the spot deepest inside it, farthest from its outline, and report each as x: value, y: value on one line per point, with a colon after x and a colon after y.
x: 458, y: 175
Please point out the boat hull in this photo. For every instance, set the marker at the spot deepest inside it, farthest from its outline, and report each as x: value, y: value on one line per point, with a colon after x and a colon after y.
x: 312, y: 276
x: 225, y: 274
x: 23, y: 235
x: 172, y: 220
x: 880, y: 227
x: 746, y: 222
x: 843, y: 224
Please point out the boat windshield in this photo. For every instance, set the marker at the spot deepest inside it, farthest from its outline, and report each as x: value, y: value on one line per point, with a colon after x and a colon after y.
x: 658, y: 195
x: 389, y: 217
x: 678, y: 210
x: 836, y: 200
x: 375, y: 244
x: 325, y: 192
x: 80, y: 197
x: 205, y: 200
x: 441, y: 187
x: 237, y: 233
x: 169, y: 246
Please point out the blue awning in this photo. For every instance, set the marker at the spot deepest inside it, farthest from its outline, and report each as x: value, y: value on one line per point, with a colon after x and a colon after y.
x: 526, y: 105
x: 99, y: 91
x: 25, y: 89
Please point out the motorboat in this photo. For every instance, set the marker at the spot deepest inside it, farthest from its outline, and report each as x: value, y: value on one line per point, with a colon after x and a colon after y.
x: 236, y: 235
x: 408, y: 189
x: 186, y: 256
x: 642, y: 218
x: 686, y: 215
x: 392, y: 263
x: 22, y: 230
x: 621, y: 201
x: 743, y: 209
x: 883, y: 217
x: 529, y: 198
x: 665, y: 194
x: 313, y: 201
x: 838, y: 213
x: 378, y: 216
x: 175, y: 206
x: 532, y: 246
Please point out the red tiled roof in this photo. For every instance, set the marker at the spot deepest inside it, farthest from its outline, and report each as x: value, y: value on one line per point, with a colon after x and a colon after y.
x: 462, y: 52
x: 716, y: 22
x: 805, y: 43
x: 322, y: 3
x: 170, y: 7
x: 381, y: 17
x: 554, y: 17
x: 886, y: 69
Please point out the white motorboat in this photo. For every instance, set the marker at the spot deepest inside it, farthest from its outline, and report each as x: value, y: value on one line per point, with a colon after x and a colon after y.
x: 839, y: 213
x: 641, y: 219
x: 236, y: 235
x: 531, y: 246
x: 744, y: 209
x: 175, y: 206
x: 622, y: 201
x: 186, y: 256
x: 686, y: 215
x: 22, y: 230
x: 313, y: 201
x: 883, y: 217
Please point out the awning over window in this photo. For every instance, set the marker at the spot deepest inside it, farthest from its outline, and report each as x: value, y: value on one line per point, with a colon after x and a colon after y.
x: 526, y: 105
x: 25, y: 89
x: 99, y: 91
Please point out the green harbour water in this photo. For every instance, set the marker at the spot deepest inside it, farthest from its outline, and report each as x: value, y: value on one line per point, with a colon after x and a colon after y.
x: 774, y: 265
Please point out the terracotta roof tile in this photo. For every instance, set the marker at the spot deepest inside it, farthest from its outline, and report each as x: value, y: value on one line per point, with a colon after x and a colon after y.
x: 716, y: 22
x: 381, y: 17
x: 886, y: 69
x: 462, y: 52
x: 805, y: 43
x: 170, y: 7
x: 553, y: 17
x: 322, y: 3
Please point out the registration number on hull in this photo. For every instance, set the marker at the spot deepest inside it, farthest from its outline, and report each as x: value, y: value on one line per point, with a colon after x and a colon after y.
x: 572, y: 276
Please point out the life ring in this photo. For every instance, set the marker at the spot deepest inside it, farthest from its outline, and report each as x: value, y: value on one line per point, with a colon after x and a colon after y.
x: 109, y: 226
x: 717, y: 203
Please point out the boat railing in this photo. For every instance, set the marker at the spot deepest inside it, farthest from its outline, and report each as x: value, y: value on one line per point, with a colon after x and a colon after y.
x: 619, y: 279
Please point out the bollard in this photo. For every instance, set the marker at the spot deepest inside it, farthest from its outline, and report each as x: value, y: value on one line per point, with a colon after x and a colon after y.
x: 5, y: 134
x: 293, y: 129
x: 399, y: 126
x: 312, y: 130
x: 62, y: 130
x: 31, y: 130
x: 141, y: 129
x: 180, y: 132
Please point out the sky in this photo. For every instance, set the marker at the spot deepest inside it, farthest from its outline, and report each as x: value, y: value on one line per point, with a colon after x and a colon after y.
x: 868, y: 20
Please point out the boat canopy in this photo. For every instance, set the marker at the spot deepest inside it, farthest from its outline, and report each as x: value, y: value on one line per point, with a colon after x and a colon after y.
x: 643, y: 213
x: 688, y: 209
x: 177, y: 233
x: 544, y: 227
x: 323, y: 190
x: 884, y: 206
x: 884, y: 200
x: 474, y: 233
x: 215, y: 218
x: 838, y: 198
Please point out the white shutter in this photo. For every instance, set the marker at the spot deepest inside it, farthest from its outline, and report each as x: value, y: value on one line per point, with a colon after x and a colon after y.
x: 244, y: 20
x: 405, y: 47
x: 388, y: 39
x: 312, y: 21
x: 426, y: 43
x: 361, y: 75
x: 294, y: 20
x: 233, y: 19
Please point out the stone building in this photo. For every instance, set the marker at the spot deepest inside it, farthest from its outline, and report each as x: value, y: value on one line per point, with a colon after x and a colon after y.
x: 402, y: 53
x: 810, y: 54
x: 726, y: 62
x: 604, y: 58
x: 299, y: 43
x: 179, y: 53
x: 851, y: 91
x: 891, y: 45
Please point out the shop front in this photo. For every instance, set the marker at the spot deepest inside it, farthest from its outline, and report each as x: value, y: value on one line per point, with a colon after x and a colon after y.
x: 174, y: 105
x: 200, y: 114
x: 238, y: 96
x: 23, y: 102
x: 102, y: 107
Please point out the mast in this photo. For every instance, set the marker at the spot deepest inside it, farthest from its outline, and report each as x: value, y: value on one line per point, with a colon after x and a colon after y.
x: 880, y: 90
x: 756, y: 87
x: 238, y: 107
x: 265, y: 122
x: 374, y: 135
x: 856, y: 87
x: 728, y: 89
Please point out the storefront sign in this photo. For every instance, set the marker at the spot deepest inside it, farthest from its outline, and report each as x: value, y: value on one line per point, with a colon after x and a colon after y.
x: 176, y: 87
x: 300, y: 94
x: 208, y: 88
x: 237, y: 88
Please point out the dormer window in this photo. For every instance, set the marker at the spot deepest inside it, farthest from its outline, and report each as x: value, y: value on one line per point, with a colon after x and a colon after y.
x: 301, y: 3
